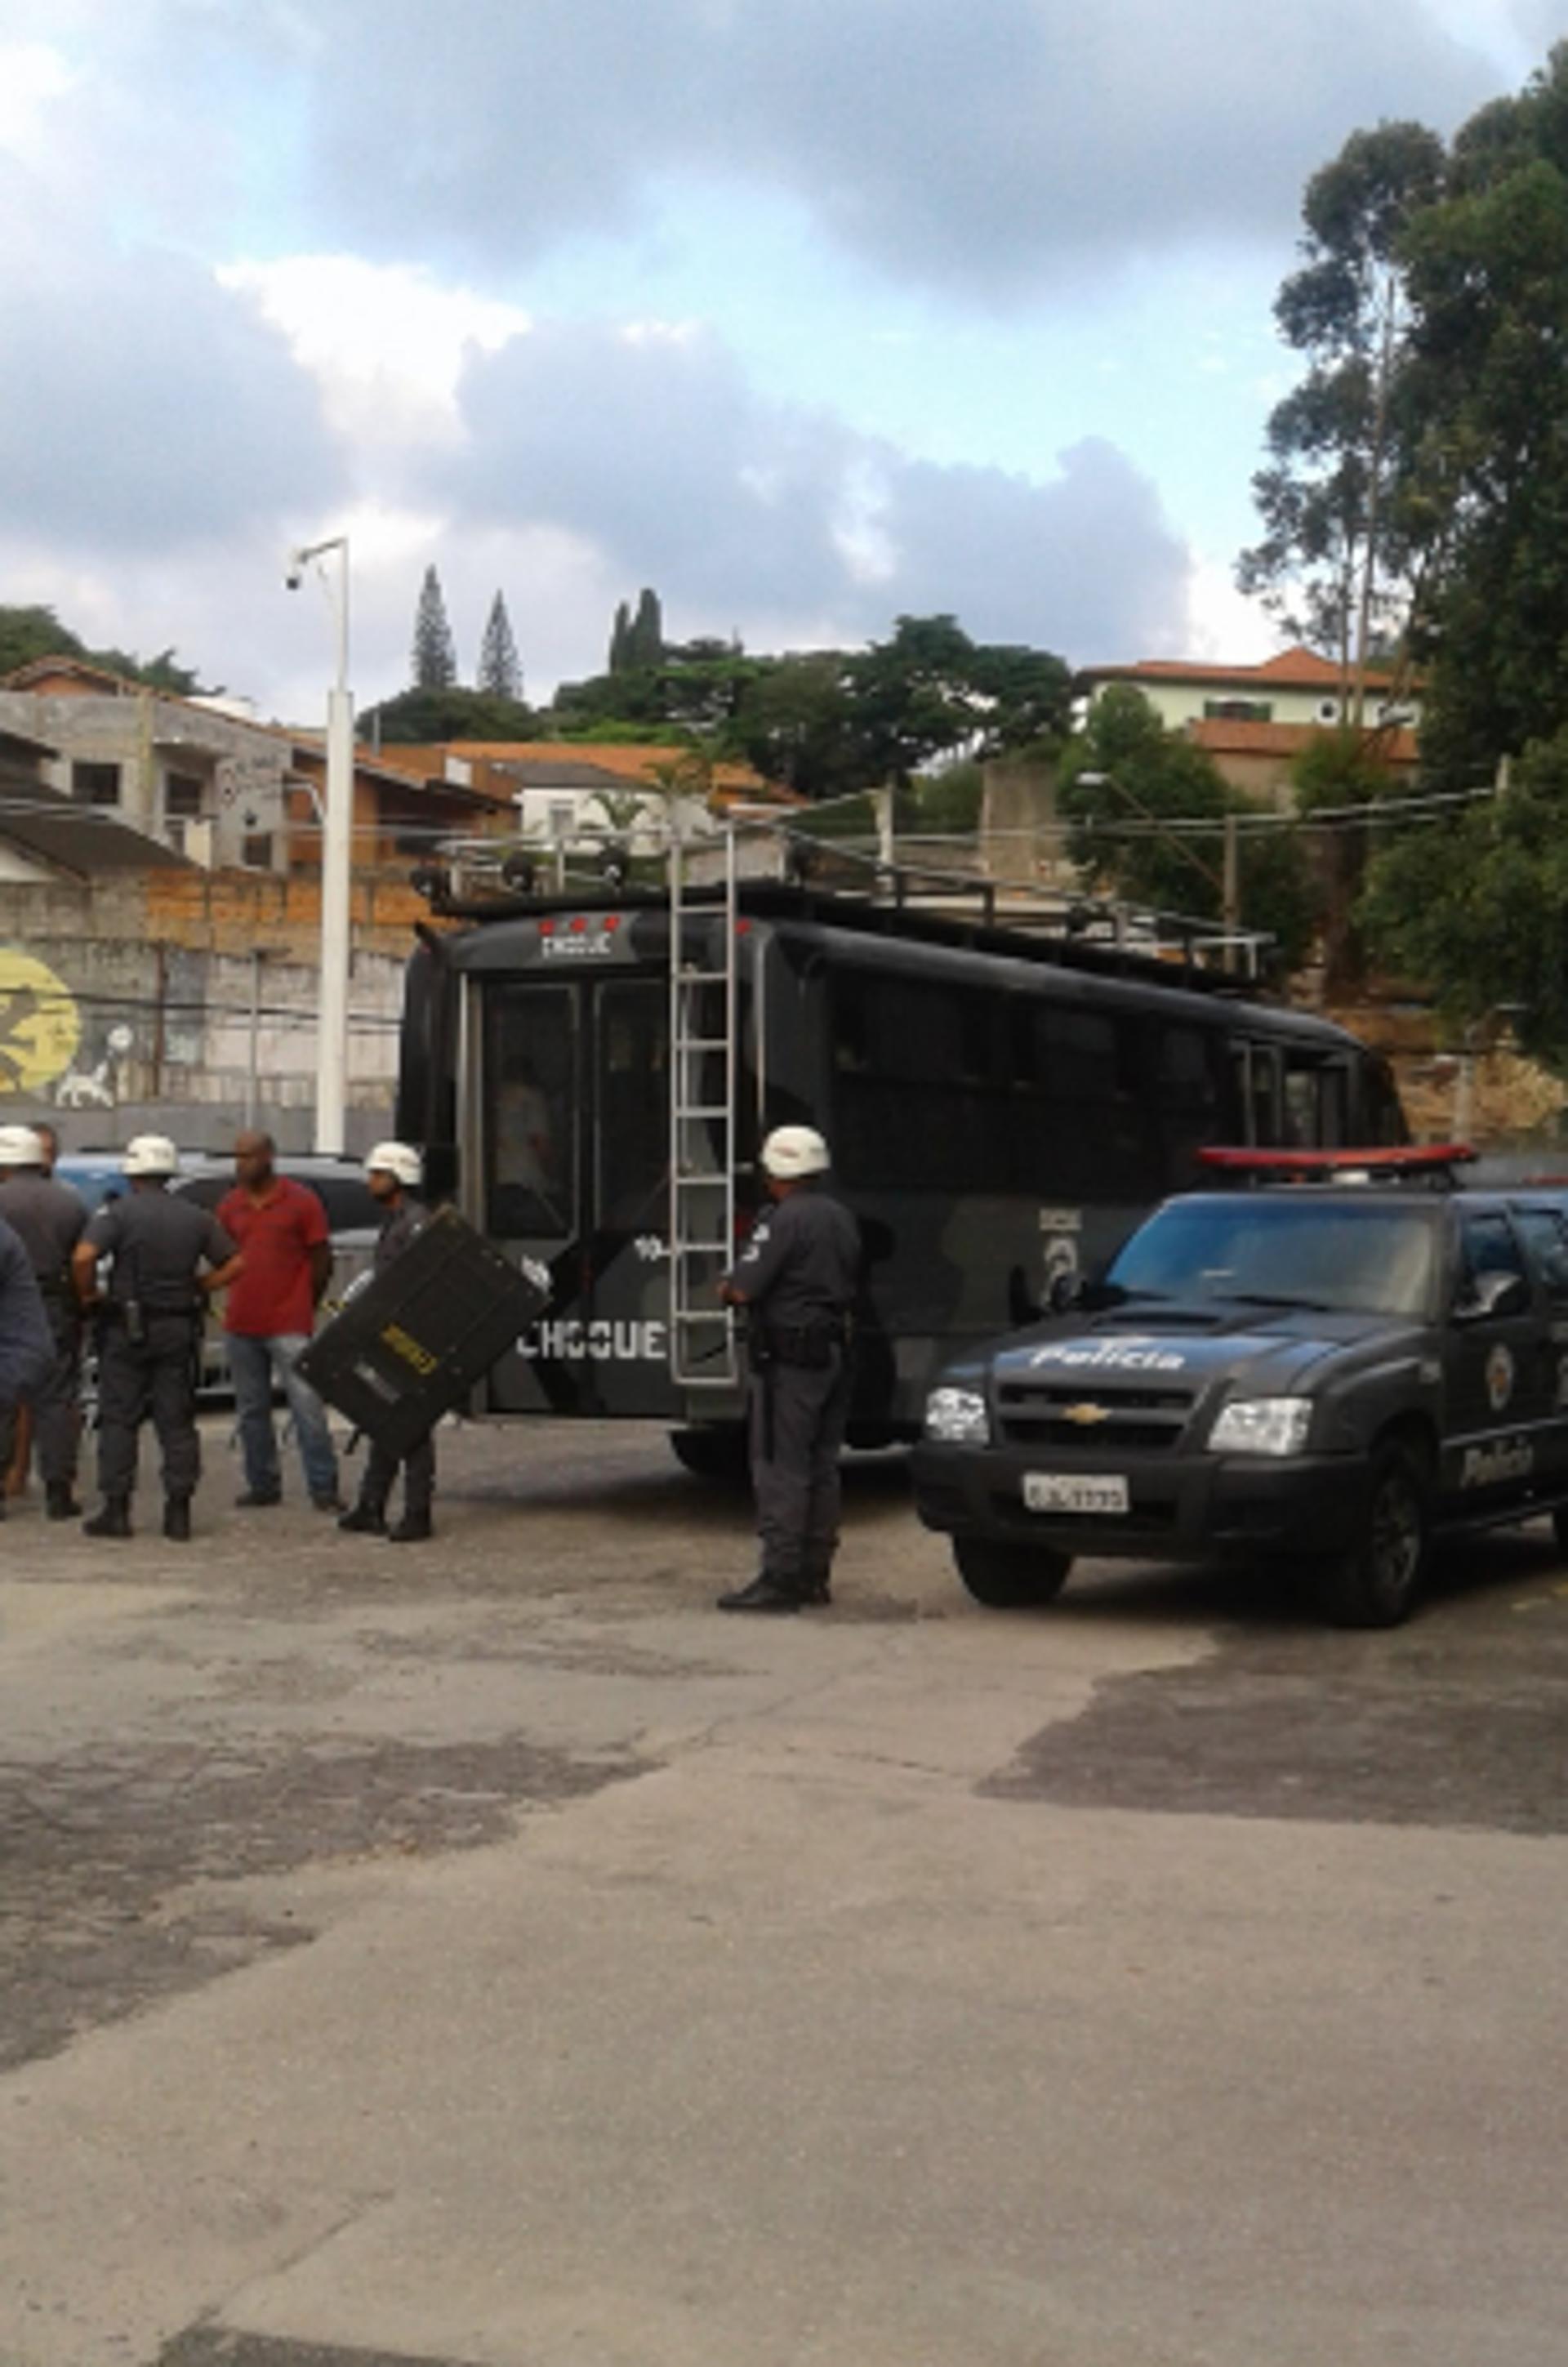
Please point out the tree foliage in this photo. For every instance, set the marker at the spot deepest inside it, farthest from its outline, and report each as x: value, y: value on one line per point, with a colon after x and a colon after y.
x: 1128, y: 785
x: 434, y: 660
x: 29, y: 633
x: 500, y: 670
x: 831, y: 721
x: 419, y: 716
x: 1477, y: 905
x: 1342, y: 536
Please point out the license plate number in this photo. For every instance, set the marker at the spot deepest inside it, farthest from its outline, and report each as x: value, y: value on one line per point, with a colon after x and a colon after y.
x: 1075, y: 1491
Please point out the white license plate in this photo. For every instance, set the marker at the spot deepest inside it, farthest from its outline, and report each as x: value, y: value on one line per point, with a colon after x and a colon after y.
x: 1075, y: 1491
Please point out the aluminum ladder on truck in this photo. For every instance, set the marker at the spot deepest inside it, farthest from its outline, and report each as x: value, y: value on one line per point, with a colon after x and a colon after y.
x: 703, y: 1349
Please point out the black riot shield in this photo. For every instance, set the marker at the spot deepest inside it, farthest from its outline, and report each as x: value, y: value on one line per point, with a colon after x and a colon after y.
x: 413, y: 1342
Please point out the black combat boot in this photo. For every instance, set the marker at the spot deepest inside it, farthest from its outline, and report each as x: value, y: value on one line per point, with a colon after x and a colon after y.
x: 413, y: 1529
x: 60, y: 1503
x: 369, y: 1520
x: 176, y: 1519
x: 764, y: 1593
x: 114, y: 1521
x: 815, y: 1584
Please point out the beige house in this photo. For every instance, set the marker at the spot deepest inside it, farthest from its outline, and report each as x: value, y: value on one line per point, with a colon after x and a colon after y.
x: 1254, y: 720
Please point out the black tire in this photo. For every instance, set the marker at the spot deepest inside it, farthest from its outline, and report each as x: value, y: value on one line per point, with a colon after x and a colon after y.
x: 1009, y: 1578
x: 1560, y: 1527
x: 1378, y: 1581
x: 717, y: 1453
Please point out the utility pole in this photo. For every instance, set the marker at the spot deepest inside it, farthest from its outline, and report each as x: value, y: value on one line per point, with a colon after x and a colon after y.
x: 337, y: 827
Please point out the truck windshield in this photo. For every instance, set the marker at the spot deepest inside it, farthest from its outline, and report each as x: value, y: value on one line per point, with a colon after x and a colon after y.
x: 1283, y: 1252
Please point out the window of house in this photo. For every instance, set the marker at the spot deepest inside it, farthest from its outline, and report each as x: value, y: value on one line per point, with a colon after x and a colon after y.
x: 182, y: 795
x: 96, y: 785
x: 1238, y: 710
x: 256, y: 851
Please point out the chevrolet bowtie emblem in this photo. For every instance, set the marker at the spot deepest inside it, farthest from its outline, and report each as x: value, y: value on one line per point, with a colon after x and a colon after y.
x: 1086, y: 1415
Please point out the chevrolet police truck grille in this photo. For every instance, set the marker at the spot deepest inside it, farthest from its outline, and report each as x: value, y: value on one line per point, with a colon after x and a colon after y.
x: 1058, y: 1414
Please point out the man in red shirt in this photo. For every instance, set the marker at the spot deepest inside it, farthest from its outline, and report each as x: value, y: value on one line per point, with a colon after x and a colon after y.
x: 281, y: 1230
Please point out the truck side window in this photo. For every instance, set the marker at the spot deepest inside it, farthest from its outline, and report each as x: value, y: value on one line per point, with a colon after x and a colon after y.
x: 1546, y: 1239
x: 1488, y: 1244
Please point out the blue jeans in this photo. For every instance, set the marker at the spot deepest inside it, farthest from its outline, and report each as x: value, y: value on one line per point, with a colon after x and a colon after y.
x: 253, y: 1364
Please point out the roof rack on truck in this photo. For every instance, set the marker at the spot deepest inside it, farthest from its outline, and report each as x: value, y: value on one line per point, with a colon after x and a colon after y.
x: 763, y: 859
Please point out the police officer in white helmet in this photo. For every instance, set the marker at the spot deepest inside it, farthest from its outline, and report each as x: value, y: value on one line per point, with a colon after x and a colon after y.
x: 395, y: 1172
x: 48, y: 1219
x: 796, y: 1278
x: 167, y: 1256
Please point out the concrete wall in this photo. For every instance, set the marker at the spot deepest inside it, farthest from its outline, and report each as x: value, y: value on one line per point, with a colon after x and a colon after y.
x: 241, y: 766
x: 191, y: 998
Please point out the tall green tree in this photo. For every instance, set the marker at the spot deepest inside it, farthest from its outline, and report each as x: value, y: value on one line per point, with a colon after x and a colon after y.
x: 1132, y: 791
x: 501, y: 670
x: 644, y: 638
x: 1345, y: 533
x: 1489, y: 277
x: 1475, y: 903
x: 433, y: 662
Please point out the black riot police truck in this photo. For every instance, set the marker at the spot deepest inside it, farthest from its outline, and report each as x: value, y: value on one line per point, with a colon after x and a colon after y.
x: 1008, y: 1084
x: 1317, y: 1372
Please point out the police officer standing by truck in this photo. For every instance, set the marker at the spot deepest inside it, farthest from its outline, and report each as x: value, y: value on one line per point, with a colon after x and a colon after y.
x: 395, y: 1172
x: 168, y: 1255
x: 48, y: 1219
x: 798, y: 1279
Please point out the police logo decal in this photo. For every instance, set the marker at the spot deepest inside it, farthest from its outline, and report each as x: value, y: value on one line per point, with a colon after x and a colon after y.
x: 1499, y: 1378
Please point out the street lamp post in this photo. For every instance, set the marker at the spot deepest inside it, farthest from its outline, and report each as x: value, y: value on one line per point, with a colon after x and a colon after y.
x: 337, y: 820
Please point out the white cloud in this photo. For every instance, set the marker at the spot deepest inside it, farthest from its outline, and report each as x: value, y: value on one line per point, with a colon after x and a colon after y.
x: 31, y: 76
x: 387, y: 343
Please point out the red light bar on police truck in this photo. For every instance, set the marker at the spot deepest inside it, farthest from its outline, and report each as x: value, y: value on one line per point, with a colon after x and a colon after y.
x: 1382, y: 1163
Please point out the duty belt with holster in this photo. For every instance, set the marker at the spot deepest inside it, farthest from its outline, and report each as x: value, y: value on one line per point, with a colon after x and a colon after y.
x: 807, y: 1347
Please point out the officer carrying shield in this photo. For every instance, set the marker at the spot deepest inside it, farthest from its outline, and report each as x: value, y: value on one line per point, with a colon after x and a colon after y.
x: 168, y: 1256
x: 798, y: 1279
x: 48, y: 1219
x: 395, y: 1172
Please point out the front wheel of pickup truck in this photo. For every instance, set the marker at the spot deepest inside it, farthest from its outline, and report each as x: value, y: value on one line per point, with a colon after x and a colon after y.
x: 1008, y: 1577
x: 1376, y: 1583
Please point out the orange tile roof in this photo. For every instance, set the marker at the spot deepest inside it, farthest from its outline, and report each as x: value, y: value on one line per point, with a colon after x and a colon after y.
x: 1224, y: 737
x: 1297, y: 667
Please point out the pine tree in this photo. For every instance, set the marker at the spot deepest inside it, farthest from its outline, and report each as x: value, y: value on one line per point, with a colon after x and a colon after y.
x: 646, y: 647
x: 501, y: 670
x: 434, y: 660
x: 620, y: 639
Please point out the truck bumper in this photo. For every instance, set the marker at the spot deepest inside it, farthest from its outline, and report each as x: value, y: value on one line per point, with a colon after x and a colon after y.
x: 1180, y: 1508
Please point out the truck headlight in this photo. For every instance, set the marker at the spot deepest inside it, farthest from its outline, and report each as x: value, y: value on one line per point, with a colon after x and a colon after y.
x: 1262, y: 1426
x: 958, y: 1418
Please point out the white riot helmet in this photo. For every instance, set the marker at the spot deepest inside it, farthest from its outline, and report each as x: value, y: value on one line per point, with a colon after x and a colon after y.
x: 397, y: 1160
x: 792, y: 1151
x: 20, y: 1146
x: 150, y: 1154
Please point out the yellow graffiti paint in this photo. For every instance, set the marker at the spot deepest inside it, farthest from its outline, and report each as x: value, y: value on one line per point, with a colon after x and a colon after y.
x: 40, y: 1024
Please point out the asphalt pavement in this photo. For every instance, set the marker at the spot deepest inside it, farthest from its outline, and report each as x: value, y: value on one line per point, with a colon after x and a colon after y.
x: 492, y: 1956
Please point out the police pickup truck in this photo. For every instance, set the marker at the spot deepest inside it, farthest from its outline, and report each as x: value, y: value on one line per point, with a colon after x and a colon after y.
x: 1324, y: 1368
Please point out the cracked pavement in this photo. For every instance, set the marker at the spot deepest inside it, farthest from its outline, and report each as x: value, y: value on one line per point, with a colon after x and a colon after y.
x: 492, y: 1957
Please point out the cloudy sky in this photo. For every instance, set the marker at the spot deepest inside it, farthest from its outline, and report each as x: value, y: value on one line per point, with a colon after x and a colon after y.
x: 807, y: 313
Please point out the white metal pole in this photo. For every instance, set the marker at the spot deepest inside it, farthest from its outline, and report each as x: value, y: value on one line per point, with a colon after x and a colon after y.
x: 332, y: 1059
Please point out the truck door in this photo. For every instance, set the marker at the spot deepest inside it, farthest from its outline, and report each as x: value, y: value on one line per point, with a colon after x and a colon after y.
x: 1499, y: 1385
x: 575, y: 1107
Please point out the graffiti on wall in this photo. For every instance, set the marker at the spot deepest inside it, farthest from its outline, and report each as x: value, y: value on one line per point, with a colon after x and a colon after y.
x: 40, y: 1025
x: 42, y: 1048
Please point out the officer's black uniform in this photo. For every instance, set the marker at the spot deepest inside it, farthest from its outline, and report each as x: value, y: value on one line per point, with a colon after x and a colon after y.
x: 49, y: 1219
x: 798, y: 1276
x: 381, y: 1466
x: 150, y: 1335
x: 25, y: 1342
